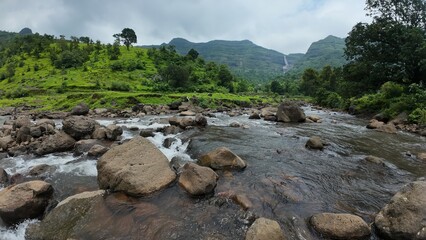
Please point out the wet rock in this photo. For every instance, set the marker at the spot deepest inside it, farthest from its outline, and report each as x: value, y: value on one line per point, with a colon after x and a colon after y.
x: 177, y: 163
x: 99, y: 132
x: 45, y: 121
x: 197, y: 180
x: 242, y: 200
x: 58, y: 142
x: 36, y: 131
x: 136, y: 167
x: 404, y: 216
x: 23, y: 135
x: 315, y: 142
x: 16, y: 179
x: 171, y: 130
x: 79, y: 127
x: 422, y: 156
x: 6, y: 142
x: 148, y: 132
x: 271, y: 118
x: 168, y: 142
x: 340, y: 226
x: 22, y: 121
x: 375, y: 160
x: 314, y: 118
x: 268, y: 111
x: 25, y: 200
x: 290, y: 113
x: 387, y: 128
x: 40, y: 170
x: 222, y: 158
x: 113, y: 132
x: 254, y: 116
x: 187, y: 113
x: 97, y: 150
x: 83, y: 146
x: 4, y: 177
x: 235, y: 124
x: 67, y: 219
x: 265, y: 229
x: 373, y: 124
x: 174, y: 105
x: 200, y: 120
x: 80, y: 110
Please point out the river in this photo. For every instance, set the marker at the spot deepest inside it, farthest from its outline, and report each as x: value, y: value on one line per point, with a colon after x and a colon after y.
x: 283, y: 181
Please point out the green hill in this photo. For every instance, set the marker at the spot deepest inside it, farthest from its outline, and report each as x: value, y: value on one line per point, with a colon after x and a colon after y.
x: 245, y: 59
x: 44, y: 71
x: 328, y: 51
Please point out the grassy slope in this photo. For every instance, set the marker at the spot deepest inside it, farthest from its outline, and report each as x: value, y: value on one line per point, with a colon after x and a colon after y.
x: 81, y: 83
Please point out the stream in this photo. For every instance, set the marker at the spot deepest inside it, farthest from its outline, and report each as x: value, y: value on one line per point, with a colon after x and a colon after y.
x: 283, y: 180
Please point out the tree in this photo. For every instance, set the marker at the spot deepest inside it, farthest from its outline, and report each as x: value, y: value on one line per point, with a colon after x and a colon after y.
x: 192, y: 54
x: 276, y: 87
x: 127, y: 36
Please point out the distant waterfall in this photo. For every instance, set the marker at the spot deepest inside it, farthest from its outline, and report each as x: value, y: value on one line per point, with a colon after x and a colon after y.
x: 286, y: 67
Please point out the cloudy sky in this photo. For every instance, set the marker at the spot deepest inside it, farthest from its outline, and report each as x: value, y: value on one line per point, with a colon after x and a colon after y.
x: 288, y: 26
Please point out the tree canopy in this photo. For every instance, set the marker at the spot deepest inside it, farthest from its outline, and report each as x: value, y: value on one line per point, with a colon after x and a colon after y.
x: 127, y: 37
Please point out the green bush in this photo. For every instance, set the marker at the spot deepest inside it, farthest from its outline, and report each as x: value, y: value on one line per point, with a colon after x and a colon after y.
x: 17, y: 93
x: 120, y: 86
x: 117, y: 66
x: 391, y: 90
x: 418, y: 116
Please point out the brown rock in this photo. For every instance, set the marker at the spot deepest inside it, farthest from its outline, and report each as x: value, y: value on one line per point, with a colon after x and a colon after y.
x: 97, y: 150
x: 242, y: 200
x: 99, y: 133
x: 265, y: 229
x: 422, y: 156
x: 25, y: 200
x: 290, y: 113
x: 113, y: 132
x: 314, y: 118
x: 6, y: 142
x: 79, y: 127
x: 404, y: 216
x: 340, y: 226
x: 387, y: 128
x: 200, y: 120
x: 58, y: 142
x: 315, y: 142
x: 22, y: 121
x: 373, y: 124
x: 40, y: 169
x: 80, y: 109
x: 23, y: 135
x: 85, y: 145
x: 4, y: 177
x: 222, y: 158
x: 136, y: 167
x: 187, y: 113
x: 375, y: 160
x: 254, y: 116
x: 197, y: 180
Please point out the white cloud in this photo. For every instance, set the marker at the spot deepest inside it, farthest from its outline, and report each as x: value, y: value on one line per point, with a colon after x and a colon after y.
x: 283, y: 25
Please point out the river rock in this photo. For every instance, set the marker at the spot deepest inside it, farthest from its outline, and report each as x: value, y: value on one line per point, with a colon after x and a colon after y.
x: 25, y: 200
x: 387, y: 128
x: 187, y: 113
x: 404, y: 216
x: 422, y: 156
x: 147, y: 132
x: 136, y: 167
x: 197, y: 180
x: 97, y: 150
x: 375, y: 160
x: 83, y: 146
x: 4, y: 177
x: 200, y: 120
x: 36, y: 131
x: 315, y: 142
x: 6, y: 142
x: 265, y: 229
x: 79, y: 127
x: 290, y: 113
x: 242, y: 200
x: 254, y: 115
x: 340, y: 226
x: 373, y: 124
x: 58, y: 142
x: 222, y: 158
x: 40, y: 169
x: 314, y: 118
x: 23, y: 134
x: 171, y: 130
x: 235, y: 124
x: 44, y: 121
x: 113, y: 132
x: 80, y: 109
x: 99, y: 132
x: 67, y: 218
x: 268, y: 111
x: 22, y: 121
x: 168, y: 142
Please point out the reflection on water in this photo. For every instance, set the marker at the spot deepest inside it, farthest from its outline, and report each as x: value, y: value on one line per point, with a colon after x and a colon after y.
x: 284, y: 181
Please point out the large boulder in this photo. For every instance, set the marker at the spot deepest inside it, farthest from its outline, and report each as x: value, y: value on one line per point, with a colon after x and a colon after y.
x: 290, y: 113
x: 136, y: 167
x: 25, y: 200
x: 373, y: 124
x: 265, y: 229
x: 404, y: 216
x: 387, y: 128
x: 222, y: 158
x: 340, y: 226
x: 58, y: 142
x: 197, y: 180
x: 67, y: 218
x: 200, y: 120
x: 315, y: 142
x: 80, y: 109
x: 113, y: 132
x: 79, y: 127
x: 97, y: 151
x: 22, y: 121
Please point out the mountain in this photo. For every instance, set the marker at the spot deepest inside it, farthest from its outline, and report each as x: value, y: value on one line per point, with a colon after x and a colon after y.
x: 328, y: 51
x: 244, y: 58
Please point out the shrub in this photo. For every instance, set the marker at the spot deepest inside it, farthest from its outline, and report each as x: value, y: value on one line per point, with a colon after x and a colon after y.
x: 418, y: 116
x: 120, y: 86
x: 391, y: 90
x: 117, y: 66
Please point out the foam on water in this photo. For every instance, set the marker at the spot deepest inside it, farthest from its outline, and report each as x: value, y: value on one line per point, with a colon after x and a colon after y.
x: 177, y: 148
x: 17, y: 233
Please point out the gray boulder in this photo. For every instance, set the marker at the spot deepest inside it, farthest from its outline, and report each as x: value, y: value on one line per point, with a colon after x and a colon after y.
x: 25, y: 200
x: 23, y: 134
x: 404, y: 216
x: 58, y: 142
x: 197, y: 180
x: 40, y: 170
x: 113, y: 132
x: 340, y: 226
x: 22, y: 121
x: 200, y: 120
x: 136, y: 167
x: 80, y: 109
x: 222, y: 158
x: 79, y: 127
x: 84, y: 146
x: 265, y: 229
x: 97, y: 150
x: 290, y: 113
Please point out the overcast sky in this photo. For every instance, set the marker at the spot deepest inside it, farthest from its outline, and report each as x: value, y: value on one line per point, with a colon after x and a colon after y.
x: 288, y: 26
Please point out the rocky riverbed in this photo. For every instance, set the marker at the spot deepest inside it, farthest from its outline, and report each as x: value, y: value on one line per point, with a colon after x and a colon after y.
x: 181, y: 172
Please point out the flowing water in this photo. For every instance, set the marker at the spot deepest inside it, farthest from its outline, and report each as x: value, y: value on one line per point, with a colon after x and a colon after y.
x: 283, y: 181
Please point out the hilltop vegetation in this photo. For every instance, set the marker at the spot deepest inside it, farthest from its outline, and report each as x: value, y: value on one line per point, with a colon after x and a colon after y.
x: 49, y: 72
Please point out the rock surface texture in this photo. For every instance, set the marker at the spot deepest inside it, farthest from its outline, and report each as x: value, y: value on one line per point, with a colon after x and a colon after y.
x: 265, y: 229
x: 222, y: 158
x: 340, y: 226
